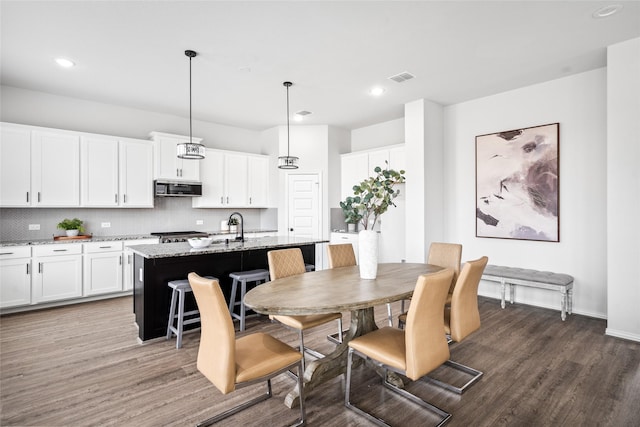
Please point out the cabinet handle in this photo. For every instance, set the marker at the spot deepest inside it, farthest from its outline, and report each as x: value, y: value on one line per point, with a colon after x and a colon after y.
x: 221, y: 199
x: 140, y: 275
x: 177, y: 172
x: 27, y: 197
x: 38, y: 197
x: 27, y: 269
x: 60, y: 250
x: 125, y: 198
x: 227, y: 199
x: 129, y: 259
x: 105, y: 247
x: 249, y: 200
x: 120, y: 260
x: 39, y: 267
x: 116, y: 199
x: 6, y: 253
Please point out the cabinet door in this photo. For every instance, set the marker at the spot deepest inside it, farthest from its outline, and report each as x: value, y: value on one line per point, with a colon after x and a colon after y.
x: 212, y: 176
x: 99, y: 171
x: 235, y: 167
x: 397, y: 158
x: 102, y: 273
x: 55, y: 169
x: 15, y: 166
x: 354, y: 168
x: 136, y: 174
x: 169, y: 166
x: 56, y: 278
x: 378, y: 158
x: 258, y: 176
x: 15, y: 282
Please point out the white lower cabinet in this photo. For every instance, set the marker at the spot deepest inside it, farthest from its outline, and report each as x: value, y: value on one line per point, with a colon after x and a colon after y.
x: 103, y: 266
x: 15, y: 276
x: 57, y: 272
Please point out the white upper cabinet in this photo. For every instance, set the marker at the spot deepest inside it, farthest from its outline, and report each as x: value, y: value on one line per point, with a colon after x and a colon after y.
x: 55, y: 168
x: 355, y: 168
x: 378, y: 158
x: 233, y: 180
x: 258, y: 180
x: 15, y: 166
x: 167, y: 164
x: 116, y: 172
x: 99, y: 171
x: 135, y: 174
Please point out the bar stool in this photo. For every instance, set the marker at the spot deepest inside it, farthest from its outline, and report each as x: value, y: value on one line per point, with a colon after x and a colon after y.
x: 259, y: 276
x: 178, y: 294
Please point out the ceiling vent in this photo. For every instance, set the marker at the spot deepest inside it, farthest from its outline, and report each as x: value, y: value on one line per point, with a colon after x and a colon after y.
x: 303, y: 113
x: 402, y: 77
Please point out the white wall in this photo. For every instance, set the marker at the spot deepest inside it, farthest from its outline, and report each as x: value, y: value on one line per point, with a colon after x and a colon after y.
x: 378, y: 135
x: 623, y: 189
x: 61, y: 112
x: 578, y: 103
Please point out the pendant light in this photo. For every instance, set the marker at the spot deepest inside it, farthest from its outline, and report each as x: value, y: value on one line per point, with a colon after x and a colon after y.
x: 190, y: 150
x: 287, y: 162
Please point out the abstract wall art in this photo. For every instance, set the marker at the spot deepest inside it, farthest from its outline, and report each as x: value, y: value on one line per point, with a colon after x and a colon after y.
x: 517, y: 184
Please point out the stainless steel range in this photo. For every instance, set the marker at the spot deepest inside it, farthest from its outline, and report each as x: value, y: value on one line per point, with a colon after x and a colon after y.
x: 178, y: 236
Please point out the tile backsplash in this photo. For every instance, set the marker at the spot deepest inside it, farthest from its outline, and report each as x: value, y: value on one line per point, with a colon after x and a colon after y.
x: 169, y: 214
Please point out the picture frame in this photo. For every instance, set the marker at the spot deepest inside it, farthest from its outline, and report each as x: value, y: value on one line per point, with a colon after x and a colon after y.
x: 518, y: 184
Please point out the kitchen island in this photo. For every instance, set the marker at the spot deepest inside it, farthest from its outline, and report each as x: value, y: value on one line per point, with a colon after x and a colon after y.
x: 155, y: 265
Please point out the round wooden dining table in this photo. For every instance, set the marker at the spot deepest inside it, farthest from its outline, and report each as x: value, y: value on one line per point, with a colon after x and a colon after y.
x: 332, y: 291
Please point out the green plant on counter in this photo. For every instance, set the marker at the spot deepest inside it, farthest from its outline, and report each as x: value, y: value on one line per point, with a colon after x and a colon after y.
x: 71, y: 224
x: 233, y: 221
x: 351, y: 214
x: 373, y: 196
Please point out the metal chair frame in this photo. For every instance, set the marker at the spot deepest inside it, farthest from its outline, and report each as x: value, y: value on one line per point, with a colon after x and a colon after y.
x: 444, y: 416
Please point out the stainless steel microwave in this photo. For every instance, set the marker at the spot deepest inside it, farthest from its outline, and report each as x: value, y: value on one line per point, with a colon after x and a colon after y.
x: 177, y: 189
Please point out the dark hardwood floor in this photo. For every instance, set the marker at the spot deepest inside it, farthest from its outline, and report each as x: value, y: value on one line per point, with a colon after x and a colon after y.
x: 82, y: 366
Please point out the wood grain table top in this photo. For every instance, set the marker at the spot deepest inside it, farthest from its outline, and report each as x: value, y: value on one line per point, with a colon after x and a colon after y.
x: 336, y: 290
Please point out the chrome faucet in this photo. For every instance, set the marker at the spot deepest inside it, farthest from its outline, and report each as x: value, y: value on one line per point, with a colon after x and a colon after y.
x: 241, y: 238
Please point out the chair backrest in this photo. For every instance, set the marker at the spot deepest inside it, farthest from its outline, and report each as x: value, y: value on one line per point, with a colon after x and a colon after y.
x: 217, y: 352
x: 463, y: 315
x: 341, y: 255
x: 425, y: 341
x: 285, y: 263
x: 446, y: 255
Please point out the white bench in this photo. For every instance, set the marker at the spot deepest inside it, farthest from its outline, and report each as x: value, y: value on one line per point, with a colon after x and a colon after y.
x: 533, y: 278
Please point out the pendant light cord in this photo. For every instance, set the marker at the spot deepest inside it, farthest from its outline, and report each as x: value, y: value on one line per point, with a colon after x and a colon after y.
x: 288, y: 119
x: 190, y: 119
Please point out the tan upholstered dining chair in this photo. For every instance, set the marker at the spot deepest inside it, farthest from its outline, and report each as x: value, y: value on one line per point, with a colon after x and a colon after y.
x: 341, y: 255
x: 413, y: 352
x: 462, y: 317
x: 230, y: 362
x: 445, y: 255
x: 289, y: 262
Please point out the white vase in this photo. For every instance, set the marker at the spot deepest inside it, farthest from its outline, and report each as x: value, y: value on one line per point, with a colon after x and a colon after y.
x: 233, y: 228
x: 71, y: 233
x: 368, y: 254
x: 351, y: 227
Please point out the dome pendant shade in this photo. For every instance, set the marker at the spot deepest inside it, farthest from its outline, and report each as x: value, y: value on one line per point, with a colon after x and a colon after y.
x: 190, y: 150
x: 287, y: 162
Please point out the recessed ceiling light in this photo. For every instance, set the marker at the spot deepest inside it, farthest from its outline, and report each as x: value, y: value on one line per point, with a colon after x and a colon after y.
x: 66, y: 63
x: 606, y: 11
x: 297, y: 117
x: 377, y: 91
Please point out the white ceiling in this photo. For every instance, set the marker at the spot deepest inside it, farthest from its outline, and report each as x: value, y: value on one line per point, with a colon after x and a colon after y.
x: 131, y: 53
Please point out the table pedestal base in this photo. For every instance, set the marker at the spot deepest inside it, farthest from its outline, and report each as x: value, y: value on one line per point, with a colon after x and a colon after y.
x: 335, y: 363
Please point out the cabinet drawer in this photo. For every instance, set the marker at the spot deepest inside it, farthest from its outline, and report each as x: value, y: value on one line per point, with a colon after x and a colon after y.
x: 9, y: 252
x: 96, y: 247
x: 52, y: 250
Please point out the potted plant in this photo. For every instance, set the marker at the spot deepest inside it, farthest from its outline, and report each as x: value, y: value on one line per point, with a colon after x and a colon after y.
x: 71, y: 226
x: 351, y: 215
x: 233, y: 224
x: 372, y: 197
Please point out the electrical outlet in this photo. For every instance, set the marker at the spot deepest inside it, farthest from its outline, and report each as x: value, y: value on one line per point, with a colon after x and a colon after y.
x: 34, y: 226
x: 199, y: 222
x: 105, y: 225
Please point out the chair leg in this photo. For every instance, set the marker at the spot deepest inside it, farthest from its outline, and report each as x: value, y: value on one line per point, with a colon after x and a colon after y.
x: 301, y: 336
x: 238, y: 408
x: 181, y: 298
x: 444, y: 416
x: 172, y: 313
x: 460, y: 367
x: 389, y: 314
x: 243, y: 290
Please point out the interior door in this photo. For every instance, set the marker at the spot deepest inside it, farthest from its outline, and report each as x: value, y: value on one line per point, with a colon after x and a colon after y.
x: 304, y: 214
x: 304, y: 205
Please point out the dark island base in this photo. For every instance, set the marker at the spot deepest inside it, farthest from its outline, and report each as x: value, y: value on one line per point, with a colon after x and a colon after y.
x: 152, y: 294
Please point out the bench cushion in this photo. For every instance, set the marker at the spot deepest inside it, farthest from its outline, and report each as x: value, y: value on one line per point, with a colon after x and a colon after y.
x: 528, y: 275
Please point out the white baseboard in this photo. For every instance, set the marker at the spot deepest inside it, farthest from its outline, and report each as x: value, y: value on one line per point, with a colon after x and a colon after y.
x: 622, y: 334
